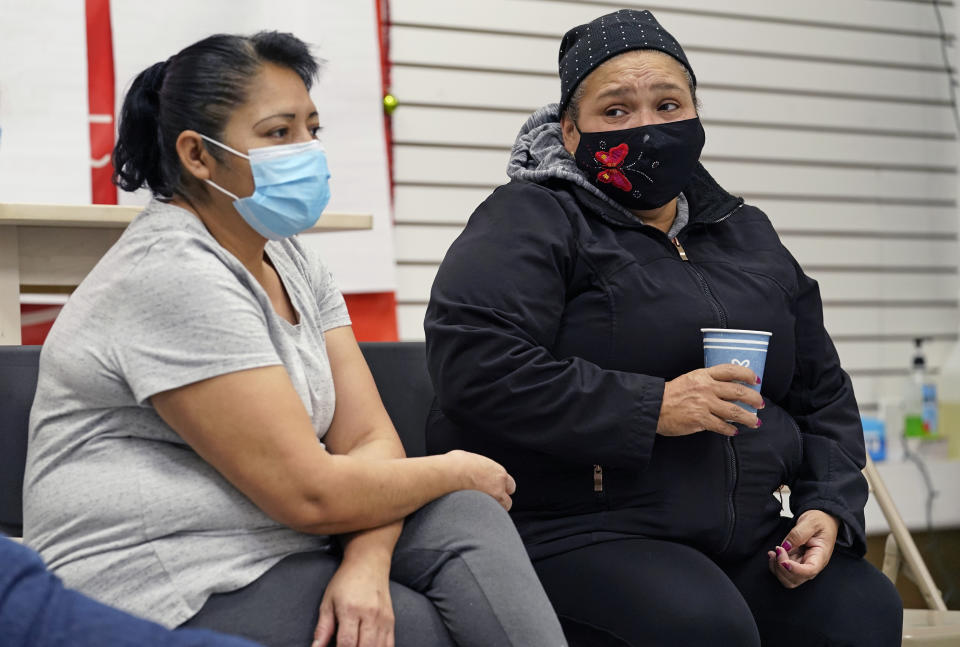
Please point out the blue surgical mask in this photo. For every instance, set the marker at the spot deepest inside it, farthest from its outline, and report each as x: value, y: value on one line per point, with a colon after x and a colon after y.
x: 291, y: 188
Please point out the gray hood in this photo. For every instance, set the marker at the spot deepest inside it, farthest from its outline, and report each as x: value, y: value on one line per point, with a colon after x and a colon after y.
x: 538, y: 155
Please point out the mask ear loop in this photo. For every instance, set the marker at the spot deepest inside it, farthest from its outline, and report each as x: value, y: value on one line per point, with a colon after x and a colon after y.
x: 224, y: 146
x: 231, y: 150
x: 221, y: 189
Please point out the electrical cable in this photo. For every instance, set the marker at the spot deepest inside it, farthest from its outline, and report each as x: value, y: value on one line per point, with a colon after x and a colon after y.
x: 951, y: 81
x: 933, y: 541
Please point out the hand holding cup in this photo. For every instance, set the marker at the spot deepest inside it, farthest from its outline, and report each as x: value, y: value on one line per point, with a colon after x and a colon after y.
x: 724, y: 394
x: 746, y: 348
x: 705, y: 400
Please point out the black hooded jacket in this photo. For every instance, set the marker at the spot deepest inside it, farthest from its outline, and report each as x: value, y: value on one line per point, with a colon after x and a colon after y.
x: 555, y: 320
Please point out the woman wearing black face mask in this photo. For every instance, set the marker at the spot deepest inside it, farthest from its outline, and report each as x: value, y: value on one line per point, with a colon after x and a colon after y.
x: 563, y: 337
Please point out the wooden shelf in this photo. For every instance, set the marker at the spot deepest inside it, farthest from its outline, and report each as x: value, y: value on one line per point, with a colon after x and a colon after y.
x: 56, y: 245
x: 102, y: 216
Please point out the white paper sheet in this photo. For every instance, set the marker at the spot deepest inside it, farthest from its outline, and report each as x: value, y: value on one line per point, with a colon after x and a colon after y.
x: 45, y: 145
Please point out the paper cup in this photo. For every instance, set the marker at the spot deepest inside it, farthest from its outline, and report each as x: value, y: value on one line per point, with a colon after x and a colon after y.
x: 741, y: 347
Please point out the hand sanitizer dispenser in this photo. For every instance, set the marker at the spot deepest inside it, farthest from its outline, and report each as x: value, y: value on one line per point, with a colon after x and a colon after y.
x: 920, y: 398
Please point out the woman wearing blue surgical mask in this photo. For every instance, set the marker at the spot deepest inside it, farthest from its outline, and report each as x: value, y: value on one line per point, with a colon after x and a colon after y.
x: 207, y: 447
x: 564, y: 339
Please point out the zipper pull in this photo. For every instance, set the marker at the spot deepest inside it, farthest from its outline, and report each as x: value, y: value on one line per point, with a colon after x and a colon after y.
x: 597, y: 478
x: 680, y: 250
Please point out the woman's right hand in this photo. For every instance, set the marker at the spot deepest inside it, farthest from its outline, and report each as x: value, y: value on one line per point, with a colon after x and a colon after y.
x: 480, y: 473
x: 703, y: 400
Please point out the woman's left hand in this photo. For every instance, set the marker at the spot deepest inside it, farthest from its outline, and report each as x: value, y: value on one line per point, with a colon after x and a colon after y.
x: 806, y: 550
x: 357, y: 605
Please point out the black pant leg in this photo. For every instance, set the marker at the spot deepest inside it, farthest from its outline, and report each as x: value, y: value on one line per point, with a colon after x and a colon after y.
x: 850, y: 603
x: 645, y: 592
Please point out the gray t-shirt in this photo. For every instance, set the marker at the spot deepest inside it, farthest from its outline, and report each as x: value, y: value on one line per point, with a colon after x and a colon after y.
x: 114, y: 500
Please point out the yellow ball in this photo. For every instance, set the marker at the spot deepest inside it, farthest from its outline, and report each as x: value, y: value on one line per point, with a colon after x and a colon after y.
x: 390, y: 103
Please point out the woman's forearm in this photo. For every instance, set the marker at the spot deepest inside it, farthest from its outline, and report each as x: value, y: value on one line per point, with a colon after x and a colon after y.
x: 252, y: 428
x: 374, y: 546
x: 378, y: 444
x: 351, y: 494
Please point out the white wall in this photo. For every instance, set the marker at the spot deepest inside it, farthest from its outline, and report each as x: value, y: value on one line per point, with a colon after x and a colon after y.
x: 833, y: 116
x: 45, y: 150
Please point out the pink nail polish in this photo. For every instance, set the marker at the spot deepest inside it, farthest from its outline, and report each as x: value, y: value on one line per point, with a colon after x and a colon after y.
x: 786, y: 566
x: 759, y: 422
x: 758, y: 380
x: 786, y: 545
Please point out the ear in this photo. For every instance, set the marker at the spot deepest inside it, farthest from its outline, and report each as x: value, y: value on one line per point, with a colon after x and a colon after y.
x: 194, y: 156
x: 571, y: 137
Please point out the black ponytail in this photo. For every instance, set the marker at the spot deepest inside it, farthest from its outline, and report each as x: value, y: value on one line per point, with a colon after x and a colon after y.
x: 196, y: 89
x: 137, y: 155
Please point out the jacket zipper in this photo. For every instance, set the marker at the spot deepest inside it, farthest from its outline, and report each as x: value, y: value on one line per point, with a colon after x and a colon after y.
x: 597, y: 478
x: 729, y: 213
x: 796, y: 428
x: 731, y: 510
x: 722, y: 316
x: 704, y: 286
x: 680, y: 249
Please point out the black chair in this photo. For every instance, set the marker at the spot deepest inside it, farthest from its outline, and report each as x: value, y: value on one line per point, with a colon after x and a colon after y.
x: 399, y: 369
x: 18, y: 383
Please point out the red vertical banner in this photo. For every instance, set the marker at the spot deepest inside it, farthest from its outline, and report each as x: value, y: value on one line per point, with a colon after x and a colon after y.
x: 36, y: 321
x: 101, y: 100
x: 383, y: 36
x: 374, y: 315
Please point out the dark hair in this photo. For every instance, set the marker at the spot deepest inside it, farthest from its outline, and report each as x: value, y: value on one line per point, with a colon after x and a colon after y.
x: 196, y: 89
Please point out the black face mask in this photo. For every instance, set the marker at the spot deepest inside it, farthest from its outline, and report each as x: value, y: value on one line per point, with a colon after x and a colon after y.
x: 642, y: 168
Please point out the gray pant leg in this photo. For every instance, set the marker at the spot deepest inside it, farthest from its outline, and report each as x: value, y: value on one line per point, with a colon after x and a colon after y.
x: 417, y: 622
x: 463, y: 552
x: 280, y: 608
